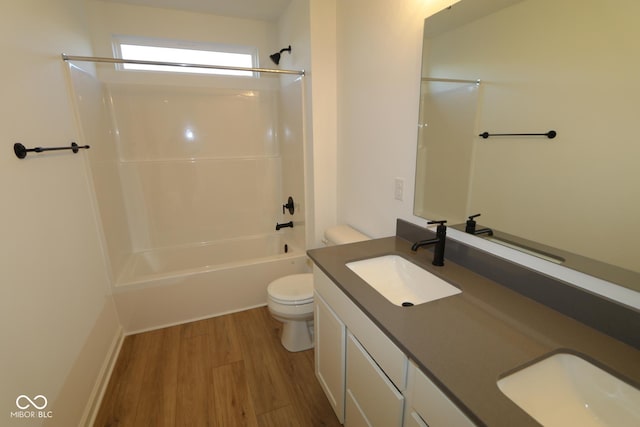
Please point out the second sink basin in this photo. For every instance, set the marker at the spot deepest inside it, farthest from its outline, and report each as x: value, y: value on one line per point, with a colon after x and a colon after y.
x: 400, y: 281
x: 566, y: 390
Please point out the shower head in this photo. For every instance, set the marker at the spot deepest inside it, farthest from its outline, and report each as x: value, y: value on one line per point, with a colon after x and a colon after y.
x: 276, y: 56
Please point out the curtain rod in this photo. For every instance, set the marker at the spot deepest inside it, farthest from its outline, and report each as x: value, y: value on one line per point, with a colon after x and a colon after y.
x: 66, y: 57
x: 438, y: 79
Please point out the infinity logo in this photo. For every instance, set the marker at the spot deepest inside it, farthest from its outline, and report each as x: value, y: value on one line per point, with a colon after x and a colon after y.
x: 31, y: 402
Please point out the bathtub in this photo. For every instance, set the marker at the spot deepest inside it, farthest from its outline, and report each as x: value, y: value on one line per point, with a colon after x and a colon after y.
x: 169, y: 286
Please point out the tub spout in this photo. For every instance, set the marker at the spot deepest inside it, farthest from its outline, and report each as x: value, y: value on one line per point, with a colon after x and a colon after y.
x: 286, y: 224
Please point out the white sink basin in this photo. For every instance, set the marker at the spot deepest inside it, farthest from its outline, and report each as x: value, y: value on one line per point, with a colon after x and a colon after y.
x: 566, y: 390
x: 401, y: 281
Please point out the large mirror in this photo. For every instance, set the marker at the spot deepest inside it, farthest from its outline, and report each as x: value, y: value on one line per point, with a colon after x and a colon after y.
x: 571, y: 66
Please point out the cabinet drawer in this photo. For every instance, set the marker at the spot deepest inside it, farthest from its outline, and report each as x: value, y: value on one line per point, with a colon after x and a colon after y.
x: 386, y: 354
x: 432, y: 404
x: 374, y: 397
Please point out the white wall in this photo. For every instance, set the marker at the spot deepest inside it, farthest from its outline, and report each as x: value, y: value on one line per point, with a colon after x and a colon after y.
x: 323, y: 74
x: 58, y: 320
x: 379, y: 62
x: 108, y: 18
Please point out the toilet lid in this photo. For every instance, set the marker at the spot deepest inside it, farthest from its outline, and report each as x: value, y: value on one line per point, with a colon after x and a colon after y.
x: 293, y: 289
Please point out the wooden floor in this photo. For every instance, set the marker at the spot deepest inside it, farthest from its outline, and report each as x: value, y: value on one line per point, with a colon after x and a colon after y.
x: 225, y: 371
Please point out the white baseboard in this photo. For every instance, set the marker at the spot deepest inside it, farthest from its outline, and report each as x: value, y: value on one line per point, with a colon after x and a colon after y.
x: 91, y: 410
x: 194, y: 319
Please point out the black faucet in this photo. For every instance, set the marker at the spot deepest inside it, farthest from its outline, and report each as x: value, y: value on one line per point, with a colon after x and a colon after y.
x: 286, y: 224
x: 439, y: 241
x: 470, y: 227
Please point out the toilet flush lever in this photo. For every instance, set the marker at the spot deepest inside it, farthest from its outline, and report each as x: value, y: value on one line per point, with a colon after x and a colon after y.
x: 289, y: 206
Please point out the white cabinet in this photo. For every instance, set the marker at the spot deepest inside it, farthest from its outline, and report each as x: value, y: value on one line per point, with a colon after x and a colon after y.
x: 366, y: 377
x: 329, y: 336
x: 373, y: 400
x: 356, y: 416
x: 374, y: 360
x: 414, y: 420
x: 386, y: 354
x: 429, y: 405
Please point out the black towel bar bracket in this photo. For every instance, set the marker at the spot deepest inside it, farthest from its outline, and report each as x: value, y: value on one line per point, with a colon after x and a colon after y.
x: 551, y: 134
x: 21, y: 151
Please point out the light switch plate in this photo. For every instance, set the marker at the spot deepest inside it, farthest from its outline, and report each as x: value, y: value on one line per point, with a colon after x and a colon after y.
x: 398, y: 189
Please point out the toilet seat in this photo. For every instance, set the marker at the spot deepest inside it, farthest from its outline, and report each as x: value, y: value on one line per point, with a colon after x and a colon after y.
x: 296, y: 289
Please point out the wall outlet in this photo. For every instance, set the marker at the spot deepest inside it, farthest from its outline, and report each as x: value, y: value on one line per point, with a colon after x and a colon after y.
x: 398, y: 188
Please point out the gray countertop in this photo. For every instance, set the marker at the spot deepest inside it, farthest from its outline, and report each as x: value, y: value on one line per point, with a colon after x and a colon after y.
x: 466, y: 342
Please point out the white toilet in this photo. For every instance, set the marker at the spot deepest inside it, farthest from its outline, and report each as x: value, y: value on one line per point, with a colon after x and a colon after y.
x: 290, y: 298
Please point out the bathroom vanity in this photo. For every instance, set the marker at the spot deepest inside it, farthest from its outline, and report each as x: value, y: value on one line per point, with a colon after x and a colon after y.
x: 365, y: 374
x: 439, y: 363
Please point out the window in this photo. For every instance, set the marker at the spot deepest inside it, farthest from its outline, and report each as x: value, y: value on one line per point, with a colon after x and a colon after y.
x: 181, y: 52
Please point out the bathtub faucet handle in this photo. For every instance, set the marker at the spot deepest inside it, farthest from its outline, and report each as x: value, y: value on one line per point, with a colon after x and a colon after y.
x: 288, y: 206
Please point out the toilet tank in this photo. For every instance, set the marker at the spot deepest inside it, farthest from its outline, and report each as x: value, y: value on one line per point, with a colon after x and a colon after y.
x: 341, y: 234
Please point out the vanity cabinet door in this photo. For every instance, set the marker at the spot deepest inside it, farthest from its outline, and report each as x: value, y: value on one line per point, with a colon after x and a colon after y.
x: 372, y: 399
x: 430, y: 404
x: 386, y: 354
x: 329, y: 336
x: 356, y: 416
x: 414, y: 420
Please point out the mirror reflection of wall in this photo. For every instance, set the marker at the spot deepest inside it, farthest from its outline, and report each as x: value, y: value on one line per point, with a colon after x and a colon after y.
x: 571, y: 66
x: 448, y: 112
